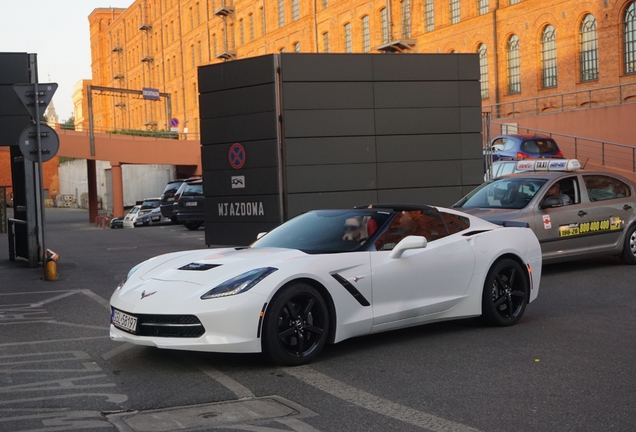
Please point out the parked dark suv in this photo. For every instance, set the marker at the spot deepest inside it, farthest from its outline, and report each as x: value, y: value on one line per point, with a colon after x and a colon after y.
x: 167, y: 199
x: 188, y: 204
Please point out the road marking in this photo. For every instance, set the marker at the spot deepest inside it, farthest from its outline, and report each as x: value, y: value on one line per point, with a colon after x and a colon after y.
x: 374, y: 403
x: 117, y: 350
x: 97, y: 298
x: 52, y: 341
x: 235, y: 387
x: 52, y: 299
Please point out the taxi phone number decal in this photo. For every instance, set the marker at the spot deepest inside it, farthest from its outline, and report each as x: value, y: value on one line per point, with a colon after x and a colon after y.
x: 612, y: 224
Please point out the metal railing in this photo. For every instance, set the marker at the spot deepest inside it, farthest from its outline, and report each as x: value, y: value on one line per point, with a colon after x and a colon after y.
x: 610, y: 155
x: 582, y: 99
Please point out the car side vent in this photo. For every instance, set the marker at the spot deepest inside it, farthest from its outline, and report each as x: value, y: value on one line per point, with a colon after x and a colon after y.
x: 199, y: 266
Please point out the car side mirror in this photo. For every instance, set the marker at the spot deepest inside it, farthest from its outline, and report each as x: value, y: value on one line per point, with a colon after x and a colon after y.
x: 551, y: 202
x: 409, y: 242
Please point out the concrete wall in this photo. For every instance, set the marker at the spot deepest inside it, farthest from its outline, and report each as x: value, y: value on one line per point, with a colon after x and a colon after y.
x: 140, y: 181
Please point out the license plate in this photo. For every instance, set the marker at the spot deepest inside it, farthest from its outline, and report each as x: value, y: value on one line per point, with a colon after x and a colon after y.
x: 123, y: 321
x: 191, y: 203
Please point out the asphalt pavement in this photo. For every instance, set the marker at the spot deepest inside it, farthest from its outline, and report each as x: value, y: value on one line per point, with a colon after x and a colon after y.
x: 568, y: 365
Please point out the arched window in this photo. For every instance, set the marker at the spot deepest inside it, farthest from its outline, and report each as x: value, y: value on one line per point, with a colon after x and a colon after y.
x: 347, y: 37
x: 406, y: 19
x: 297, y: 47
x: 482, y: 7
x: 429, y: 15
x: 454, y: 11
x: 589, y: 49
x: 548, y: 57
x: 629, y: 39
x: 384, y: 25
x: 513, y: 65
x: 483, y: 70
x: 366, y: 34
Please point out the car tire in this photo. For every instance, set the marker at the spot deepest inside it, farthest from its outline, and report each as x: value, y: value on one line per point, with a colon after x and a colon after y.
x: 174, y: 220
x: 192, y: 226
x: 296, y: 325
x: 629, y: 247
x: 506, y: 293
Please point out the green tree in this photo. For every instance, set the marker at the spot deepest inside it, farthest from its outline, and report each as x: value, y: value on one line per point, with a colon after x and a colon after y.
x: 69, y: 124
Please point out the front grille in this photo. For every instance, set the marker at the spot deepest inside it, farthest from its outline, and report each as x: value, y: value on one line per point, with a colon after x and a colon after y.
x: 185, y: 326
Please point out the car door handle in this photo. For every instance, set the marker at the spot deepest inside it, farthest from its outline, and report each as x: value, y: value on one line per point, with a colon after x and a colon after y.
x: 627, y: 207
x: 582, y: 213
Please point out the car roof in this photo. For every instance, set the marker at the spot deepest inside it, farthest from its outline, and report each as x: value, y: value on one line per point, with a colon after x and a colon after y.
x: 524, y: 136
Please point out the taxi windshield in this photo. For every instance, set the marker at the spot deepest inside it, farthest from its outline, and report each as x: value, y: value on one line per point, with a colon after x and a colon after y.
x: 504, y: 193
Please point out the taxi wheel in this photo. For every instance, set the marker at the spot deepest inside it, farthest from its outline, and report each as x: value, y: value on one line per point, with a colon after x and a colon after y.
x: 296, y: 325
x: 629, y: 248
x: 505, y: 293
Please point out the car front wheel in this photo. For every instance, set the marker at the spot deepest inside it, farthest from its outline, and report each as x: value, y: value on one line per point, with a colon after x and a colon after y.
x: 505, y: 293
x: 296, y: 325
x: 629, y: 248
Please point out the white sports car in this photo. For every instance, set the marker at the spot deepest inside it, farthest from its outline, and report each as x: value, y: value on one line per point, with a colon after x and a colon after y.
x: 328, y: 275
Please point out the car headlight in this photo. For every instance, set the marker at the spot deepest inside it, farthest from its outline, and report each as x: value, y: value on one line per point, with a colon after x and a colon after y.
x: 130, y: 273
x: 239, y: 284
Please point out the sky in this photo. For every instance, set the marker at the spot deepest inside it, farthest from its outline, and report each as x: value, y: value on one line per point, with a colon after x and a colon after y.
x: 57, y: 31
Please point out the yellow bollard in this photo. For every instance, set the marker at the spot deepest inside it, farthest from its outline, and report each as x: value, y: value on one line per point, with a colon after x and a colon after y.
x: 51, y: 265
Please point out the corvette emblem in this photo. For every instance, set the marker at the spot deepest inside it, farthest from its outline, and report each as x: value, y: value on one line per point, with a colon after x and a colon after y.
x: 144, y: 295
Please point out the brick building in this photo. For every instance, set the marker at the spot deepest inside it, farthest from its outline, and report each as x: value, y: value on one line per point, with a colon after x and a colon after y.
x: 529, y: 48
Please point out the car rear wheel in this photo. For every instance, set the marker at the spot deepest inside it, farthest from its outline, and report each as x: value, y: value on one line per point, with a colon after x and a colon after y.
x: 296, y: 325
x: 192, y: 226
x: 505, y: 293
x: 629, y: 248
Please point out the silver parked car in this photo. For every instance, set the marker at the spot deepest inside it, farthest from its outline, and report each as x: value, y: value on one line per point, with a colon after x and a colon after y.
x: 575, y: 213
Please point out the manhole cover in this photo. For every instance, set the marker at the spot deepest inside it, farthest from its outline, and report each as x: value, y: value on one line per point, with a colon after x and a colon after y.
x: 219, y: 414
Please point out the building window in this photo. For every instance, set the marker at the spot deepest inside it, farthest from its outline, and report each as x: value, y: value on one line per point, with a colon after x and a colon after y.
x: 281, y: 13
x: 195, y: 95
x: 200, y: 49
x: 366, y: 35
x: 454, y: 11
x: 513, y: 65
x: 172, y: 30
x: 214, y: 46
x: 174, y: 64
x: 262, y: 22
x: 347, y: 37
x: 589, y: 49
x: 168, y: 67
x: 241, y: 32
x: 325, y: 42
x: 325, y: 4
x: 191, y: 19
x: 429, y: 12
x: 511, y: 2
x: 282, y: 50
x: 629, y: 38
x: 295, y: 10
x: 297, y: 47
x: 548, y: 57
x: 198, y: 14
x: 406, y: 19
x: 232, y: 38
x: 384, y: 25
x: 192, y: 57
x: 483, y: 70
x: 482, y: 7
x: 251, y: 17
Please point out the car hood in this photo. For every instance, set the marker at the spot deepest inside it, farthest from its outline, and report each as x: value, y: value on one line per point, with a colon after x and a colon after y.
x: 202, y: 267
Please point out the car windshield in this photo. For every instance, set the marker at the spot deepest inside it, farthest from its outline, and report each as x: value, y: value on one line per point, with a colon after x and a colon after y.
x: 150, y: 204
x: 324, y: 231
x: 193, y: 190
x: 539, y: 146
x: 504, y: 193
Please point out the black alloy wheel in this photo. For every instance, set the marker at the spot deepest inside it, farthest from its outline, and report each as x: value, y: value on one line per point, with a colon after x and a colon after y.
x: 296, y: 325
x: 506, y: 293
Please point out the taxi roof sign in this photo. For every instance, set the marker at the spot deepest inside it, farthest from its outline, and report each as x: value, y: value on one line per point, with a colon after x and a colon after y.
x: 549, y: 165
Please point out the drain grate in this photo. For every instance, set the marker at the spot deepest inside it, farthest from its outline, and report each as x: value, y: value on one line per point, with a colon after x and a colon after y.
x: 219, y: 414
